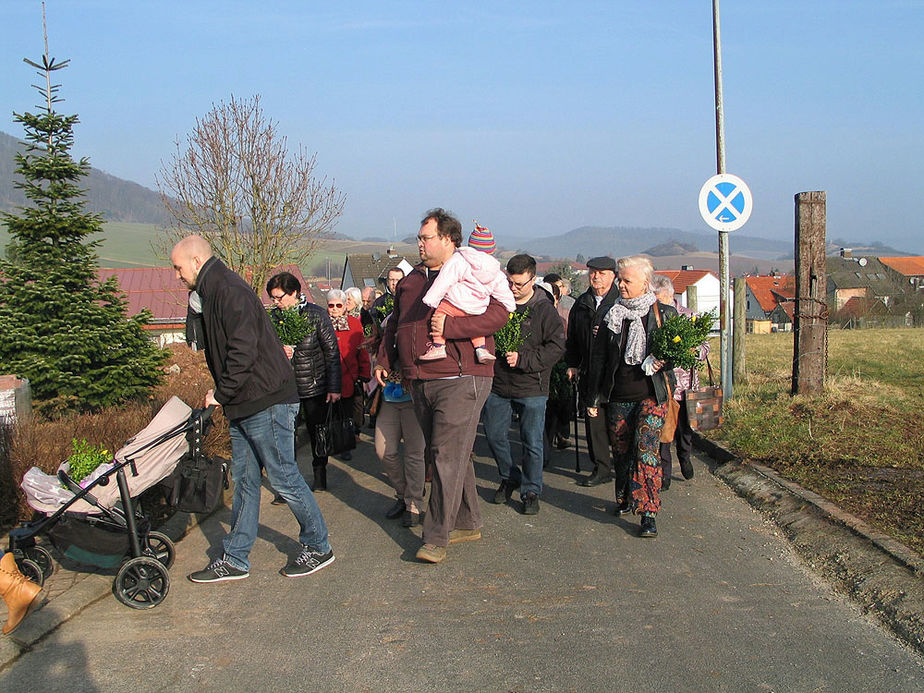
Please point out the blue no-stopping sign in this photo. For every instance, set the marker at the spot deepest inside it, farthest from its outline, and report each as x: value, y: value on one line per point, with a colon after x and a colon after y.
x: 725, y: 202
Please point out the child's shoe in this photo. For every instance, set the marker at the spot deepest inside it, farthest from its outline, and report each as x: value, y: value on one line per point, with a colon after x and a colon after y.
x: 434, y: 352
x: 484, y: 356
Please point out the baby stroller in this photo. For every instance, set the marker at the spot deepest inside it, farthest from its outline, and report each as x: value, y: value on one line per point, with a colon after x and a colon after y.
x: 98, y: 523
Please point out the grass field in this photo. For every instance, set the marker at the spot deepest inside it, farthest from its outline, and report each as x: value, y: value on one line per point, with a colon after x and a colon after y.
x: 123, y: 245
x: 138, y: 245
x: 860, y: 444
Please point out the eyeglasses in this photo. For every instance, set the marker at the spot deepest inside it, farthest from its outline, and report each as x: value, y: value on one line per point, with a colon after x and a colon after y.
x: 424, y: 239
x: 520, y: 285
x: 277, y: 299
x: 335, y: 305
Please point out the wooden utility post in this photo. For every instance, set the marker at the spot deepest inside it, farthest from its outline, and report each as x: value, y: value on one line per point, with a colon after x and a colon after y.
x: 692, y: 302
x: 810, y: 326
x: 739, y: 328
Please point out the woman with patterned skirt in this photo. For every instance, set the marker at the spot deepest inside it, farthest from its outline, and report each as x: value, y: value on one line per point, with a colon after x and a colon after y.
x: 631, y: 389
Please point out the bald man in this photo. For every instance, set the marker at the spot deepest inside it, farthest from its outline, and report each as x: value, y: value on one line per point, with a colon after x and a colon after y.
x: 255, y: 386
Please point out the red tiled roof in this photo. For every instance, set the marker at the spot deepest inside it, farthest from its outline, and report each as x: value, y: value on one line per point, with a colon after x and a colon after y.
x: 764, y: 289
x: 158, y: 290
x: 154, y: 288
x: 908, y: 266
x: 684, y: 278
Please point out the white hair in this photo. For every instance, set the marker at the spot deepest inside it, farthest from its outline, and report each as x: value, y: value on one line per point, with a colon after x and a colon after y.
x: 336, y: 295
x: 640, y: 261
x: 661, y: 283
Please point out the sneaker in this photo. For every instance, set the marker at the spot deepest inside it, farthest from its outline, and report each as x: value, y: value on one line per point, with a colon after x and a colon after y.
x: 484, y: 356
x: 648, y: 529
x: 434, y: 352
x: 218, y: 571
x: 307, y: 562
x: 459, y: 536
x: 431, y: 553
x: 503, y: 492
x: 530, y: 504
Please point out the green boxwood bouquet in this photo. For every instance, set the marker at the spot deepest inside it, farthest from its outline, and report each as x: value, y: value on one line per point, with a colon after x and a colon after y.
x: 510, y: 336
x: 291, y: 326
x: 85, y: 459
x: 678, y: 340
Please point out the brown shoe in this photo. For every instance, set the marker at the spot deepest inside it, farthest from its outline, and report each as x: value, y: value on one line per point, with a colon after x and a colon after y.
x: 431, y: 553
x: 458, y: 536
x: 20, y: 594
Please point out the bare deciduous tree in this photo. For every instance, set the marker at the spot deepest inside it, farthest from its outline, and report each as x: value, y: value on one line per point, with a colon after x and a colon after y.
x: 235, y: 183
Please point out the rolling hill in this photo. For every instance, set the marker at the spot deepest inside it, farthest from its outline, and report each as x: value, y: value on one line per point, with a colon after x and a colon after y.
x: 116, y: 199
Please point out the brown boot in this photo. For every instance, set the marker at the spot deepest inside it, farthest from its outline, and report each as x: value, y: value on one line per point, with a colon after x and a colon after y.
x: 20, y: 594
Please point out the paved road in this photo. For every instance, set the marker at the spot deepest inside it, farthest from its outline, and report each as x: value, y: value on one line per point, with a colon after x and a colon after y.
x: 569, y: 599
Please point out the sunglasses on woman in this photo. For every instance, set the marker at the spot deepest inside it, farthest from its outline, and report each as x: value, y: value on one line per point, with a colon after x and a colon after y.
x: 335, y: 305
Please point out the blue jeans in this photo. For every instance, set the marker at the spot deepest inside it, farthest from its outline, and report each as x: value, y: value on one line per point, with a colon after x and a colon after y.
x: 496, y: 419
x: 267, y: 438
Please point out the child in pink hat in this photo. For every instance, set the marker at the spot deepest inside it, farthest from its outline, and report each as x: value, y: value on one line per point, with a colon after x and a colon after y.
x: 464, y: 286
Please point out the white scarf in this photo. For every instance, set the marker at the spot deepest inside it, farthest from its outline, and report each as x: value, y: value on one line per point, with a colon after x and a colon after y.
x: 632, y: 309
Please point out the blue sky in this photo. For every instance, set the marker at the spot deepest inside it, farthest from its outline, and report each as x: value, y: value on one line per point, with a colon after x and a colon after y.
x: 533, y: 117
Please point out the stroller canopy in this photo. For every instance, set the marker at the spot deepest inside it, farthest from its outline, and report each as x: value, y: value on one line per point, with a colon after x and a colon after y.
x: 162, y: 444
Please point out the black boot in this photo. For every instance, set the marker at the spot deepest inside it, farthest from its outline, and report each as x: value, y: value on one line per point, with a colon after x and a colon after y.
x: 320, y: 477
x: 649, y: 529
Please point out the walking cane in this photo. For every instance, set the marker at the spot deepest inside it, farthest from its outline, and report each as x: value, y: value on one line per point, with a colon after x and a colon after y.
x: 577, y: 445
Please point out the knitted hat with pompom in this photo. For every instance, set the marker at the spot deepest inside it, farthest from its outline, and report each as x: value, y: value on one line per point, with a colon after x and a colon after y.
x: 482, y: 239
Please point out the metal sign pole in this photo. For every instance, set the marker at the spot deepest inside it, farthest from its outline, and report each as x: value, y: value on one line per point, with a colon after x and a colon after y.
x: 725, y: 349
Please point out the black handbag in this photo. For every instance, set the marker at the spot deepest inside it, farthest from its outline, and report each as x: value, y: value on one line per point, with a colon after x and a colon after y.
x: 704, y: 405
x: 197, y: 482
x: 337, y: 434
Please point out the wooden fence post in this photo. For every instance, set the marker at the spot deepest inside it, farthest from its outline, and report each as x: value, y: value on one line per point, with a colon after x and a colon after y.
x: 810, y: 324
x: 692, y: 303
x: 739, y: 325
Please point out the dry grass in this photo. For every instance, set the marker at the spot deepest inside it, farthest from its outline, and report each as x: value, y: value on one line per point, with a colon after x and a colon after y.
x: 859, y: 444
x: 45, y: 444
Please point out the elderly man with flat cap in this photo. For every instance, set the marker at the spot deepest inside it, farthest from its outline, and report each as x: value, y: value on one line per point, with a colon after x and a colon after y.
x: 583, y: 323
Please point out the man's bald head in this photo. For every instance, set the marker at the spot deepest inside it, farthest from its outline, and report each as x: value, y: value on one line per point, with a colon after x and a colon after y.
x: 368, y: 297
x: 187, y: 258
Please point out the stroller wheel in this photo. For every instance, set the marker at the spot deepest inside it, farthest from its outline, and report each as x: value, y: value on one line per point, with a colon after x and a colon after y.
x: 31, y: 570
x: 161, y: 548
x: 142, y: 583
x: 42, y: 557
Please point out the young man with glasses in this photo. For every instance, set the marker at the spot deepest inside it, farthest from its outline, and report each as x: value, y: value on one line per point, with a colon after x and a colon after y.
x: 521, y: 384
x: 448, y: 393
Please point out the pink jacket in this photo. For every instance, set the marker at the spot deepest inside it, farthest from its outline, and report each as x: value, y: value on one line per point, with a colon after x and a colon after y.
x: 468, y: 280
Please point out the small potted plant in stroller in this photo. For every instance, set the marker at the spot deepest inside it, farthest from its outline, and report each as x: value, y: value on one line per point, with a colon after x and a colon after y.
x: 95, y: 522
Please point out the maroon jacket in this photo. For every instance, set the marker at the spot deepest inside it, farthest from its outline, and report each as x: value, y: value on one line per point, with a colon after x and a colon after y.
x: 407, y: 333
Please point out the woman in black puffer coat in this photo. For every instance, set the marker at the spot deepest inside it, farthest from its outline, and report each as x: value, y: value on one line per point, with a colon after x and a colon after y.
x: 315, y: 359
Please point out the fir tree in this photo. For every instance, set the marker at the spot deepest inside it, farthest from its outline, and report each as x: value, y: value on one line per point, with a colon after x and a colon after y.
x: 61, y: 327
